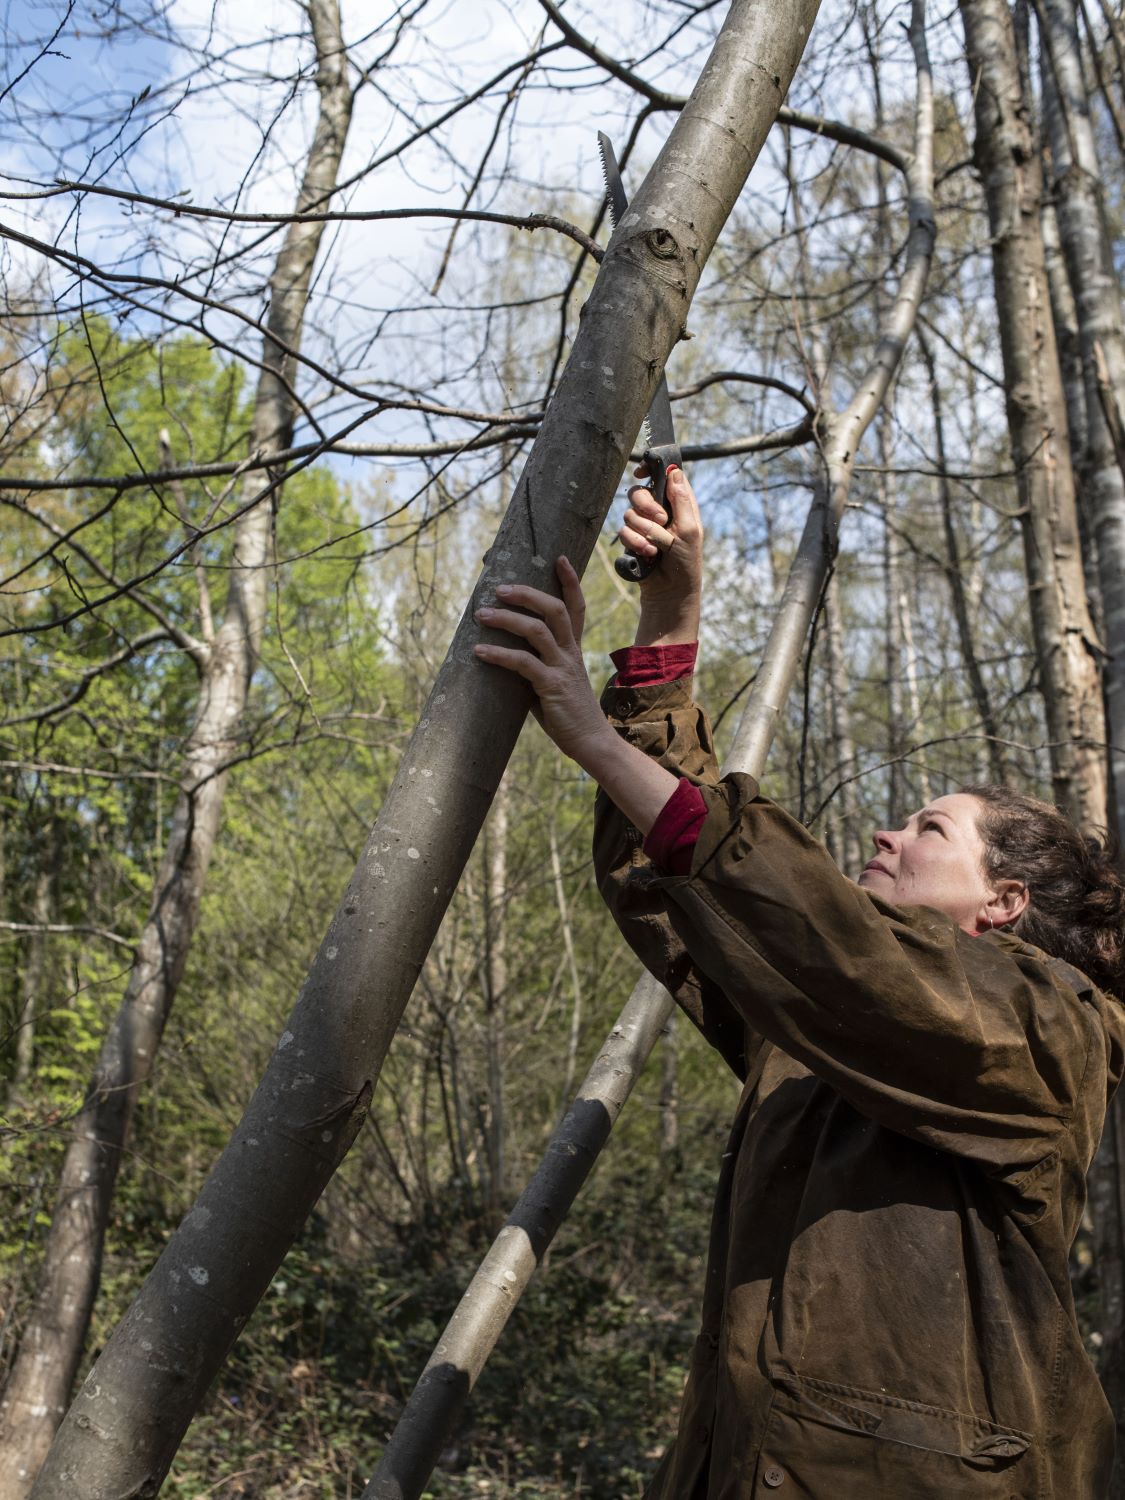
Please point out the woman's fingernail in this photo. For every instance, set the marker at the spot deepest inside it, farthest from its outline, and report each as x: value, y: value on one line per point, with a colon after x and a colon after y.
x: 484, y: 613
x: 503, y: 588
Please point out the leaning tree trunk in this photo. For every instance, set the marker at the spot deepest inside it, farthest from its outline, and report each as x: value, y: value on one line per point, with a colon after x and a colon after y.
x: 128, y: 1418
x: 1076, y: 184
x: 1065, y: 646
x: 40, y: 1384
x: 431, y: 1414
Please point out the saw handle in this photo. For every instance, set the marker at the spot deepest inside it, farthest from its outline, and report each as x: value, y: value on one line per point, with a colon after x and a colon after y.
x: 629, y: 566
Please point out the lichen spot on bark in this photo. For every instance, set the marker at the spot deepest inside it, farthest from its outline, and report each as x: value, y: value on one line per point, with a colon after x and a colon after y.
x: 199, y: 1274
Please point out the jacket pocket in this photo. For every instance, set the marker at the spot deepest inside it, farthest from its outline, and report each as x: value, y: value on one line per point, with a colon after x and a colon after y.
x: 826, y: 1439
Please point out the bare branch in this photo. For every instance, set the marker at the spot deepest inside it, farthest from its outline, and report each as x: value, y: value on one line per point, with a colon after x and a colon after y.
x: 833, y: 130
x: 86, y: 681
x: 67, y: 928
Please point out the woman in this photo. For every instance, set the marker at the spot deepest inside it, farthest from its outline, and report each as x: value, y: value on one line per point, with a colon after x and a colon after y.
x: 887, y: 1313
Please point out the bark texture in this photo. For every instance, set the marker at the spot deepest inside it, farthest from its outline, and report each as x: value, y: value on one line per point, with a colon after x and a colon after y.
x: 843, y: 820
x: 475, y: 1327
x: 129, y: 1416
x: 897, y: 791
x: 33, y: 981
x: 39, y: 1387
x: 955, y: 572
x: 1076, y: 189
x: 1066, y: 648
x: 494, y: 979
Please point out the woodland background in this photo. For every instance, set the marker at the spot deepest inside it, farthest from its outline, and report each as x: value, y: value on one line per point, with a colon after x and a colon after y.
x: 146, y: 146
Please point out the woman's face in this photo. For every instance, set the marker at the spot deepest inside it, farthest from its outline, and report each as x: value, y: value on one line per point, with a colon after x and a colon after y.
x: 935, y: 860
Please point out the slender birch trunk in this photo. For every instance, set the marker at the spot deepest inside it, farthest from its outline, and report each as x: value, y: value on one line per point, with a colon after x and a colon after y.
x: 963, y: 607
x: 892, y: 546
x: 1105, y: 87
x: 849, y: 839
x: 669, y: 1091
x: 1064, y: 315
x: 566, y: 932
x: 1065, y: 645
x: 128, y: 1418
x: 495, y: 989
x: 910, y: 674
x: 33, y: 978
x: 471, y: 1334
x: 1090, y: 302
x: 1076, y: 187
x: 39, y: 1387
x: 849, y: 853
x: 892, y: 588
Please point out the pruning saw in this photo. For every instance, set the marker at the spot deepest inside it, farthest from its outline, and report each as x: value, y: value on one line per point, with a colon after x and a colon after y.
x: 661, y: 449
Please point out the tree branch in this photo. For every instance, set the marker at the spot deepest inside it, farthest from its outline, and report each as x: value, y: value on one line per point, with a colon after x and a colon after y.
x: 196, y: 649
x: 85, y: 681
x: 66, y: 927
x: 833, y: 130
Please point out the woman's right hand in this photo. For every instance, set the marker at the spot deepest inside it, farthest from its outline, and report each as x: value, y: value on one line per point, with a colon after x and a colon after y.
x: 671, y: 593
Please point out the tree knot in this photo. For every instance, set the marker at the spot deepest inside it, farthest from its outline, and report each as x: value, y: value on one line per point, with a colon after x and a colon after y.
x: 661, y: 244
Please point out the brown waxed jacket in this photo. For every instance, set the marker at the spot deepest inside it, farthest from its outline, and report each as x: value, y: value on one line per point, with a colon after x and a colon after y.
x: 888, y: 1313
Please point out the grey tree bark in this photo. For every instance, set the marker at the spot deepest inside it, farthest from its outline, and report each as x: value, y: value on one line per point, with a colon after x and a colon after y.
x: 1076, y: 187
x: 894, y: 645
x: 566, y: 934
x: 1064, y: 314
x: 669, y: 1091
x: 911, y: 674
x: 39, y: 1387
x: 130, y: 1414
x: 1066, y: 647
x: 495, y: 995
x: 479, y: 1319
x: 33, y: 978
x: 1105, y: 86
x: 955, y: 572
x: 848, y: 839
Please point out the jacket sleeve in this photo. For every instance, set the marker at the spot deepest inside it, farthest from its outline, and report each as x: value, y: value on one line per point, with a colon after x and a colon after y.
x: 664, y: 722
x: 968, y: 1044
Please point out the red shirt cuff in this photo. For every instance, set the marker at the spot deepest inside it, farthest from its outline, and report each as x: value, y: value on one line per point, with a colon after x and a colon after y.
x: 645, y: 666
x: 672, y: 838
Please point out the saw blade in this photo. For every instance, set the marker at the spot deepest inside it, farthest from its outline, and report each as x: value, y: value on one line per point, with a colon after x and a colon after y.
x: 614, y: 188
x: 657, y: 426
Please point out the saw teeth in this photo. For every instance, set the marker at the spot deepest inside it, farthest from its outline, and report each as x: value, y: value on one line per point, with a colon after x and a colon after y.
x: 605, y: 179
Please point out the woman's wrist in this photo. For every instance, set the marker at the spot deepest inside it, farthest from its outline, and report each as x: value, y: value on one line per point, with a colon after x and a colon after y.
x: 671, y: 623
x: 638, y: 785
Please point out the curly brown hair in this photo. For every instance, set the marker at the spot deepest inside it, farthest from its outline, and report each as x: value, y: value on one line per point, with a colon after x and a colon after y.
x: 1076, y: 910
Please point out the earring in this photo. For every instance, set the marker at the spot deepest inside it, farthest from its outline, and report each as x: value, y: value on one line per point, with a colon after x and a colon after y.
x: 992, y: 924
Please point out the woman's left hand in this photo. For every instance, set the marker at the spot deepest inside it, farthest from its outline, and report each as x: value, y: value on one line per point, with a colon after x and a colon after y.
x: 552, y: 662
